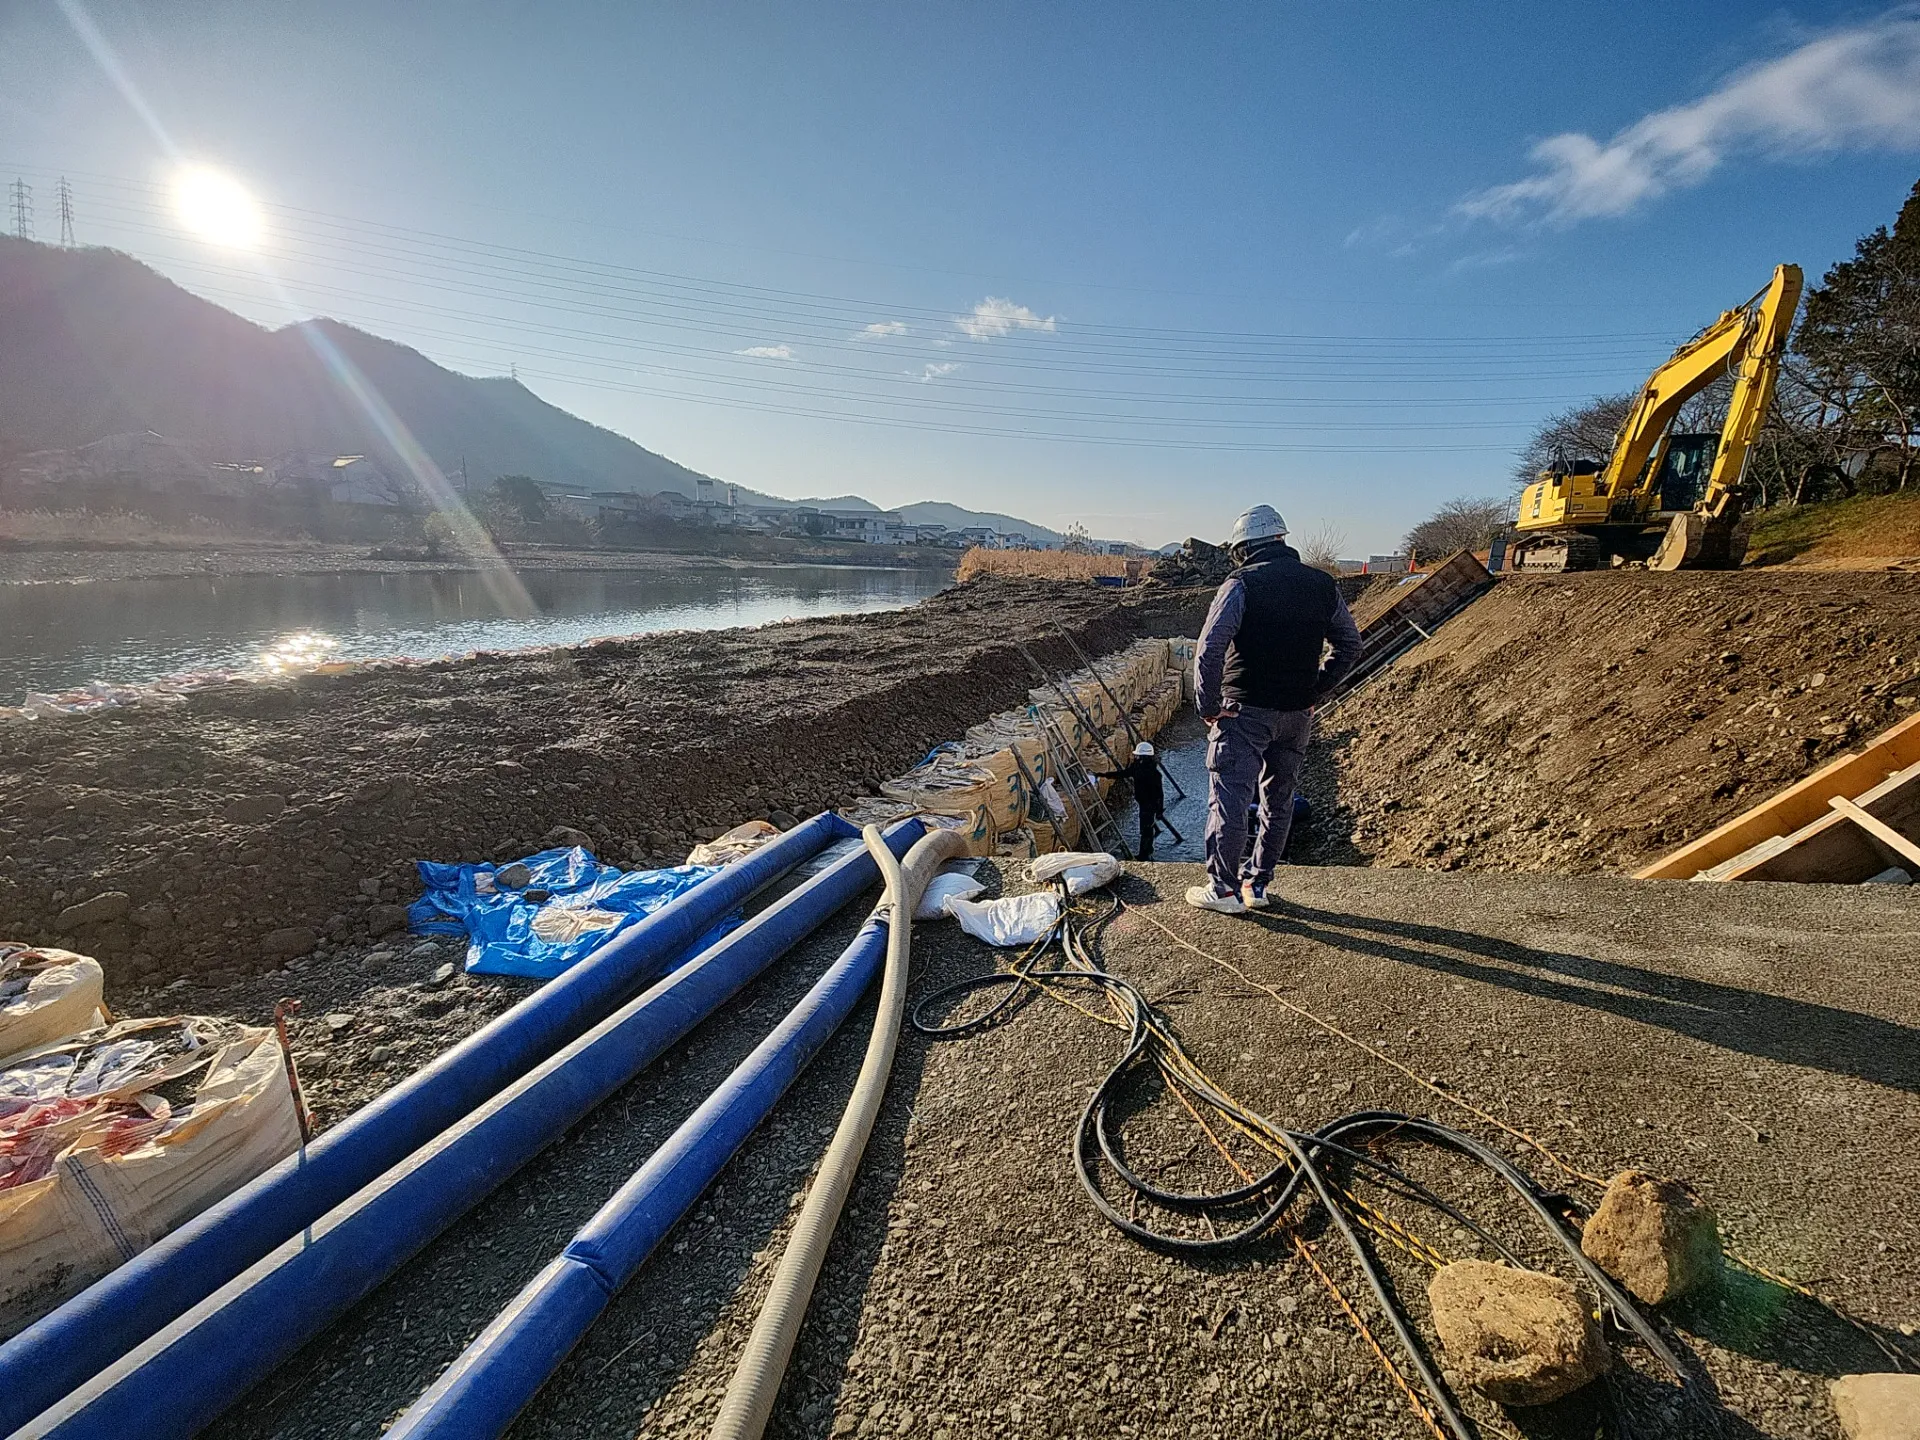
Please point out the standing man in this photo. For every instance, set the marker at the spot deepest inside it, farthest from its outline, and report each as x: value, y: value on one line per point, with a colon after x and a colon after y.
x: 1258, y: 674
x: 1149, y: 793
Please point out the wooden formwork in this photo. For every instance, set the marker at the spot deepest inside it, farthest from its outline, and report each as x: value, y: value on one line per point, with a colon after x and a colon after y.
x: 1395, y: 620
x: 1848, y: 821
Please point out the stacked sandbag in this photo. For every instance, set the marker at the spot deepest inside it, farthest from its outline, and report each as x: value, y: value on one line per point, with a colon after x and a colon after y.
x: 994, y: 784
x: 46, y: 995
x: 112, y: 1138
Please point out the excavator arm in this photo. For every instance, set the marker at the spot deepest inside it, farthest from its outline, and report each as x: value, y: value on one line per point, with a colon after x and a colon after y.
x: 1747, y: 341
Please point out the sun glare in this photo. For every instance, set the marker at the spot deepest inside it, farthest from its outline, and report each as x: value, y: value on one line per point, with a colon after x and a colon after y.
x: 217, y: 208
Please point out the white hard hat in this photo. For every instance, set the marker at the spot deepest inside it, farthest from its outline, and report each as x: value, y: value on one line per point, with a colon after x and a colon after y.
x: 1143, y: 749
x: 1262, y: 522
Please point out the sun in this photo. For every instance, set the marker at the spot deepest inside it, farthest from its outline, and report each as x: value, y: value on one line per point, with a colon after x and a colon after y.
x: 217, y: 208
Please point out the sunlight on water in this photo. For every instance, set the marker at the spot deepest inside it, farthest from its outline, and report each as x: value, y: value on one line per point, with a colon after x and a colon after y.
x: 302, y: 650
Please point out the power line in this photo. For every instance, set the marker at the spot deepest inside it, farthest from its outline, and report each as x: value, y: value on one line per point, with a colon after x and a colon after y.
x: 22, y: 196
x: 65, y: 196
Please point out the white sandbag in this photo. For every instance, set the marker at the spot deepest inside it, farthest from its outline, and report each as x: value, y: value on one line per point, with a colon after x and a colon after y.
x: 1083, y: 870
x: 947, y: 885
x: 126, y: 1166
x: 736, y: 844
x: 1014, y: 920
x: 45, y: 995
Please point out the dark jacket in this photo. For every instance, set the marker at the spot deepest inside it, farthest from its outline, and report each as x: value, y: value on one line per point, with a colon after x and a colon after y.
x: 1266, y: 634
x: 1149, y: 789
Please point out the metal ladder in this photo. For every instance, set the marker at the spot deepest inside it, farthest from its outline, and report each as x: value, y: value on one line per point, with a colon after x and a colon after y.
x: 1093, y: 815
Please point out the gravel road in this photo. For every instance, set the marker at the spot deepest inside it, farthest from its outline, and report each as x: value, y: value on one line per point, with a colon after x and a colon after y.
x: 1762, y: 1042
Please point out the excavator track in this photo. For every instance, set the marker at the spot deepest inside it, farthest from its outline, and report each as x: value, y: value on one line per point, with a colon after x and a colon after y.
x: 1557, y: 551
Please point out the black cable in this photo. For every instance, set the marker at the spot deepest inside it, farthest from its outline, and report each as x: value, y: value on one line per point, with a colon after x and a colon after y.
x: 1097, y: 1143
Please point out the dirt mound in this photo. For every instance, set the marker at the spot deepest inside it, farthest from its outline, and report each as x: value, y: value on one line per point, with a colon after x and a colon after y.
x: 1594, y: 722
x: 256, y: 822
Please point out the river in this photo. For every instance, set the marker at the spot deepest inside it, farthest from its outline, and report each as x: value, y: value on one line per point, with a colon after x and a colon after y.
x: 57, y: 637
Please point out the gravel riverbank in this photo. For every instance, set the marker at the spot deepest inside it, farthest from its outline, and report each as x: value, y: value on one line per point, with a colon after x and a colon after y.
x: 255, y: 824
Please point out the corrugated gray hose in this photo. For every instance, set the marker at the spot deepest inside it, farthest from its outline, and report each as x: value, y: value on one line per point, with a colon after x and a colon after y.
x: 756, y: 1381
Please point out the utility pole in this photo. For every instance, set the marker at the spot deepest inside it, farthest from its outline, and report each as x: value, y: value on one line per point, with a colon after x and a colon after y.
x: 65, y: 194
x: 464, y: 491
x: 22, y: 196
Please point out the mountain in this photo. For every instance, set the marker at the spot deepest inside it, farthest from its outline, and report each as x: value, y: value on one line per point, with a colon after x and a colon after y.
x: 93, y: 343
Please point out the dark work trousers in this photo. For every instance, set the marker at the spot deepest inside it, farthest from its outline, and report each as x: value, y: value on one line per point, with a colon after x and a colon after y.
x: 1254, y: 751
x: 1148, y: 820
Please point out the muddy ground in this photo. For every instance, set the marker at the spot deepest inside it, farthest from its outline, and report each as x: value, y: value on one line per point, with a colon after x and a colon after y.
x: 1761, y: 1041
x: 260, y: 823
x: 1595, y: 722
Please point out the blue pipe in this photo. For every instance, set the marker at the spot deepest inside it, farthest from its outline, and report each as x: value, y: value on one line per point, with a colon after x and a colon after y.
x: 182, y: 1378
x: 104, y: 1322
x: 495, y: 1377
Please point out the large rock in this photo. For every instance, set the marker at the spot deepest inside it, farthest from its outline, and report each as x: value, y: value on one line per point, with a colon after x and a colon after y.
x: 385, y: 919
x: 1519, y: 1337
x: 253, y: 809
x: 1878, y: 1407
x: 289, y: 942
x: 110, y: 905
x: 1653, y: 1236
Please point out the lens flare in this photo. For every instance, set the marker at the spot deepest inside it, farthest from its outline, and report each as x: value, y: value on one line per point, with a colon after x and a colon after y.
x: 217, y: 208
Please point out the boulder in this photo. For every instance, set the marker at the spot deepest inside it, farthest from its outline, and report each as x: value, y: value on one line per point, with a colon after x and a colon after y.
x: 1519, y: 1337
x: 564, y: 837
x: 1877, y: 1407
x: 253, y: 809
x: 512, y: 877
x: 385, y: 919
x: 1653, y: 1235
x: 289, y: 942
x: 109, y: 905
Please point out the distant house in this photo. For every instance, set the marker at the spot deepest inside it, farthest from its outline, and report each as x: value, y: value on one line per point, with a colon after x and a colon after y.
x: 134, y: 460
x: 1386, y: 565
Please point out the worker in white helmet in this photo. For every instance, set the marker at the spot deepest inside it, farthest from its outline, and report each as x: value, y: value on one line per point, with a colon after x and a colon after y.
x: 1257, y: 675
x: 1149, y: 793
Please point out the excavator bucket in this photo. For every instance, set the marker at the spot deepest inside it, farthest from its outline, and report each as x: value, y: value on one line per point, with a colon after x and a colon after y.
x: 1703, y: 542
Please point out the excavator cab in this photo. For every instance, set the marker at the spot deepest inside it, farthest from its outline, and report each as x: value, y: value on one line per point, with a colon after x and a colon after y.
x: 1682, y: 478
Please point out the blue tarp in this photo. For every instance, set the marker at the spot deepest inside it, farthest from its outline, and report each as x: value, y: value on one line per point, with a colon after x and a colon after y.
x: 587, y: 905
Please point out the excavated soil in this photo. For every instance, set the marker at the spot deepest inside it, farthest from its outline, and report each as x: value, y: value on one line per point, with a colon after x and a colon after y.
x: 1595, y: 722
x: 260, y: 823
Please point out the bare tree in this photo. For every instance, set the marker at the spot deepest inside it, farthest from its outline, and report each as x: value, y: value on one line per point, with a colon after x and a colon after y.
x: 1466, y: 524
x: 1322, y: 548
x: 1586, y: 432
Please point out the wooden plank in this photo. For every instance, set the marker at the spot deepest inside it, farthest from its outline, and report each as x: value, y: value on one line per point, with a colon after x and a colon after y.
x: 1797, y: 806
x: 1830, y: 851
x: 1899, y: 844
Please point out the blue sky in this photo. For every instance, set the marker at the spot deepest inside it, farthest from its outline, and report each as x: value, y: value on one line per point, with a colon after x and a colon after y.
x: 1135, y: 266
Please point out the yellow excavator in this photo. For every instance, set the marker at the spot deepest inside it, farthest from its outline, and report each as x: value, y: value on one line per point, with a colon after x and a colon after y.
x: 1672, y: 501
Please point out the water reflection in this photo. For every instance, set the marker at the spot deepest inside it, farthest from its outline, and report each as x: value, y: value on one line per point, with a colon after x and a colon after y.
x: 53, y: 637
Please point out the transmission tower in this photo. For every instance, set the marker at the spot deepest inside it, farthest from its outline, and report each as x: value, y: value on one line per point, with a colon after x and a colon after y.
x: 65, y: 194
x: 22, y: 195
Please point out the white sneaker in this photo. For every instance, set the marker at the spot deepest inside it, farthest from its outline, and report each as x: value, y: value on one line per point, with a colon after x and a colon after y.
x: 1205, y: 897
x: 1255, y: 896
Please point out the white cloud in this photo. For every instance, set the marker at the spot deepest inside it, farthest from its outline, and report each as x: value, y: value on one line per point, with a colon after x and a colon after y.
x: 994, y: 317
x: 768, y: 352
x: 880, y: 329
x: 1852, y: 89
x: 937, y: 370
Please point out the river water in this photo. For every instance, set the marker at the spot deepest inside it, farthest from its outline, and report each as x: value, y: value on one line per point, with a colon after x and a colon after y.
x: 56, y: 637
